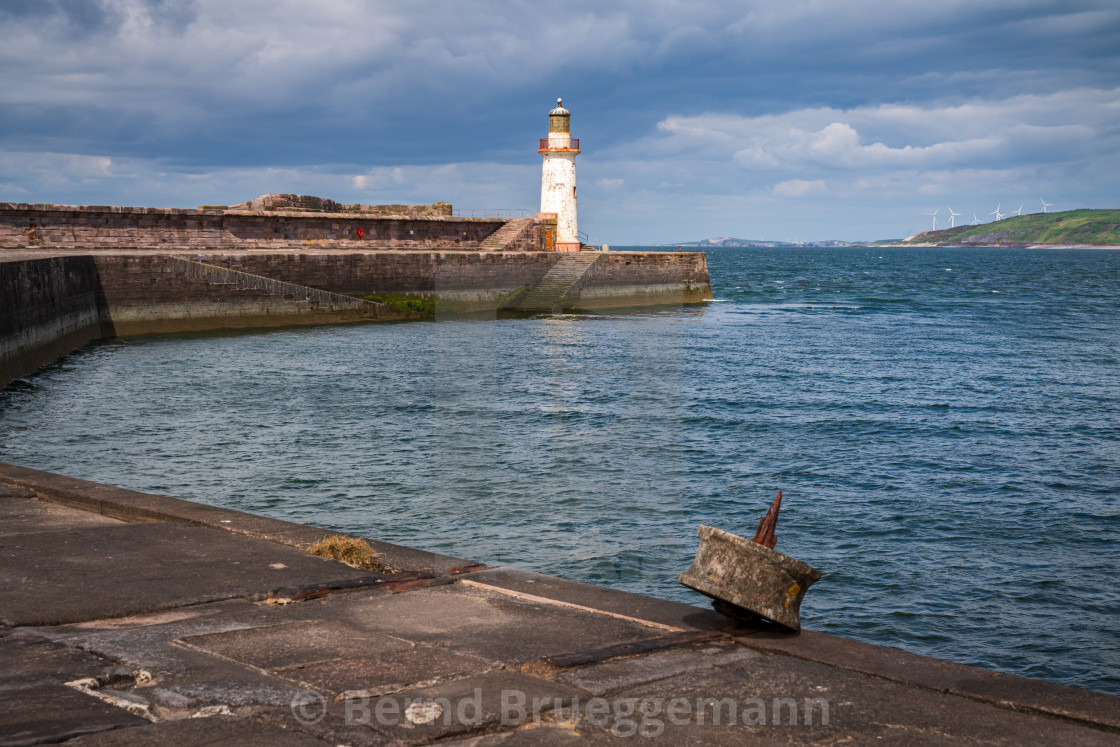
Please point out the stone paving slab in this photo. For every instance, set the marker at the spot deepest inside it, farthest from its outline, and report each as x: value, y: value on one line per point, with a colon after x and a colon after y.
x: 52, y: 713
x: 471, y: 705
x: 616, y: 675
x: 215, y: 730
x: 22, y: 512
x: 670, y: 614
x: 389, y: 672
x: 859, y: 709
x: 485, y: 623
x: 294, y: 643
x: 60, y: 577
x: 30, y: 661
x: 944, y: 676
x: 178, y: 680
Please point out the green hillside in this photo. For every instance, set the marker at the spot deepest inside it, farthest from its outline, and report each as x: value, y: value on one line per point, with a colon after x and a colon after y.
x: 1101, y: 227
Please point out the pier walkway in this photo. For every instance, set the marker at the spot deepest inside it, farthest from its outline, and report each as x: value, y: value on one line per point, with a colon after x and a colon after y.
x: 129, y: 618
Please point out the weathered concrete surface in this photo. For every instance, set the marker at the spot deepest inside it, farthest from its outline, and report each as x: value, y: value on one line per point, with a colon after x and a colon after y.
x: 52, y: 713
x: 135, y: 507
x: 21, y: 513
x: 200, y: 731
x: 147, y: 567
x: 174, y: 618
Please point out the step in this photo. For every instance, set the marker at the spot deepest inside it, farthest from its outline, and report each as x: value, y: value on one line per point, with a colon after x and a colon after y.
x: 507, y: 234
x: 548, y: 294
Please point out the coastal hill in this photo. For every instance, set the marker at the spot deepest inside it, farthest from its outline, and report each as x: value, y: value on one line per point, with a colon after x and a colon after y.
x: 1071, y: 227
x: 728, y: 241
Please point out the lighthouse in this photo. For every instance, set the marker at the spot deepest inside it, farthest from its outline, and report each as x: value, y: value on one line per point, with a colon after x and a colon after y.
x: 558, y: 177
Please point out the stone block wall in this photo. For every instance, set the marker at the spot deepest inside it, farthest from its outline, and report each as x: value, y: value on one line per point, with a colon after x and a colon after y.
x: 52, y: 305
x: 48, y: 307
x: 93, y: 228
x: 157, y: 294
x: 469, y: 280
x: 646, y: 278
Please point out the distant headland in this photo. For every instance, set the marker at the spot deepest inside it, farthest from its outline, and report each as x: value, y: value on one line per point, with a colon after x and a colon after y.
x: 1067, y: 228
x: 729, y: 241
x: 1071, y: 228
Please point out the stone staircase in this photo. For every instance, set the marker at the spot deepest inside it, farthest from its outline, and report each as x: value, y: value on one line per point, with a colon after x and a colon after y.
x: 506, y: 236
x: 558, y: 283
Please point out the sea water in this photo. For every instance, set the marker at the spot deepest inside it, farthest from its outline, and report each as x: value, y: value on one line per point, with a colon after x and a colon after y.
x: 944, y: 423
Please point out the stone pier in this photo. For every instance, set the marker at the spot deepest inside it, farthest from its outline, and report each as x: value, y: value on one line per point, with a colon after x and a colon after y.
x: 130, y: 618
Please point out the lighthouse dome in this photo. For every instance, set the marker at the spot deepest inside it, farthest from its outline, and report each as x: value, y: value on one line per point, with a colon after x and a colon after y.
x: 559, y: 119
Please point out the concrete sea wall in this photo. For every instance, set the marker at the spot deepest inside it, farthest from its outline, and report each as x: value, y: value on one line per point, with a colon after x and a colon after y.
x: 475, y: 281
x: 70, y: 273
x: 48, y: 307
x: 51, y: 306
x: 472, y: 281
x: 155, y: 294
x: 645, y: 278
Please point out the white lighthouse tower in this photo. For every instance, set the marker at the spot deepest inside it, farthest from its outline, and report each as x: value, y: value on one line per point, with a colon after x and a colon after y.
x: 558, y: 177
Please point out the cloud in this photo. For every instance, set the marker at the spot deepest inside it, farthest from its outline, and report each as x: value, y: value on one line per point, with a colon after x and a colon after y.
x: 800, y: 188
x: 69, y: 179
x: 696, y: 107
x: 1030, y: 131
x: 874, y: 166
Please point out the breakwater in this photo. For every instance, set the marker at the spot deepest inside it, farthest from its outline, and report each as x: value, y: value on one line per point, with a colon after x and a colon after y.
x: 476, y: 280
x: 50, y: 306
x: 73, y: 273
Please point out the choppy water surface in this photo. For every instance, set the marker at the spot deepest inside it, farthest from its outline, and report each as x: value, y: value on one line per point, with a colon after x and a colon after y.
x: 944, y: 423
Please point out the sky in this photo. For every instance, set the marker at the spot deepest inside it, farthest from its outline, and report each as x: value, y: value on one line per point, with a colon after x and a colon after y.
x: 781, y: 120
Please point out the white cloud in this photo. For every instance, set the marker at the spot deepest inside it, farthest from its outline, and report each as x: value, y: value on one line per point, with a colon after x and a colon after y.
x: 800, y: 188
x: 872, y: 167
x: 1039, y: 128
x: 69, y: 179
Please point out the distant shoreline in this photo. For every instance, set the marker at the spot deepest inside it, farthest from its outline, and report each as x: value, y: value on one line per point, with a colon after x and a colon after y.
x: 694, y: 247
x: 1006, y: 246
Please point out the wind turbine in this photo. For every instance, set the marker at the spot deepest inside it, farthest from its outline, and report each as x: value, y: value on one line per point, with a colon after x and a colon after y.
x: 975, y: 220
x: 952, y: 218
x: 1020, y: 210
x: 934, y: 214
x: 997, y: 213
x: 1045, y: 204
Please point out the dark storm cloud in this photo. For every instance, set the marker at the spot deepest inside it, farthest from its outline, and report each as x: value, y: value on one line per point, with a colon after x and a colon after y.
x: 211, y: 86
x: 75, y: 16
